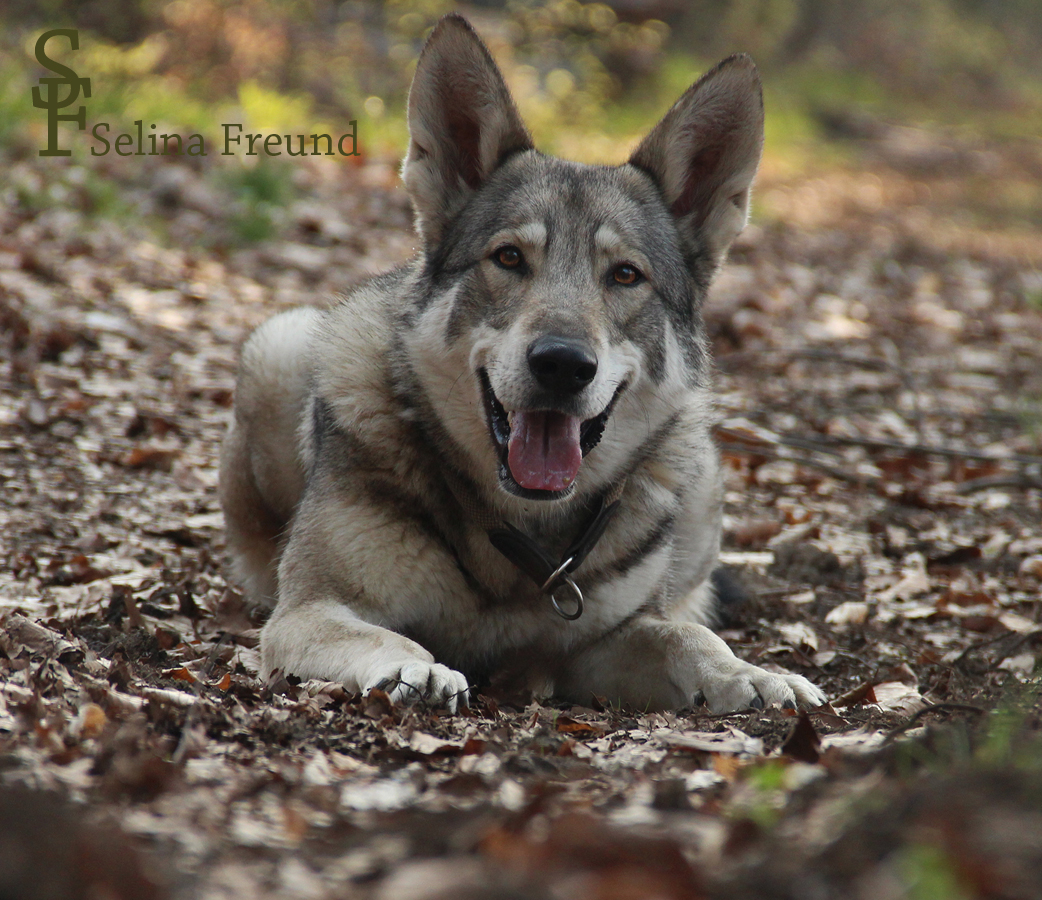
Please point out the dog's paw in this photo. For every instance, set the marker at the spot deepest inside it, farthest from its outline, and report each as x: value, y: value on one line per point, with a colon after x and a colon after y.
x: 417, y: 681
x: 807, y: 693
x: 750, y: 686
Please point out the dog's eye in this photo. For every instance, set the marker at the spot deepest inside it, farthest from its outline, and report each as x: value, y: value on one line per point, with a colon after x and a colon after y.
x: 508, y: 257
x: 626, y: 274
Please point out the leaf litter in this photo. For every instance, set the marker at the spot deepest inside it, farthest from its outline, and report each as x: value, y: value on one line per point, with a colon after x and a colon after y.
x: 883, y: 508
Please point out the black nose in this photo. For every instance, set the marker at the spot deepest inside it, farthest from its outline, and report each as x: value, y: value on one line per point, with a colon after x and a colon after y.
x: 562, y: 365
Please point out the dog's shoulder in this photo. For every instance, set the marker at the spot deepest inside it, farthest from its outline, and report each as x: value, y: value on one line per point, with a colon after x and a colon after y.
x: 353, y: 348
x: 359, y: 422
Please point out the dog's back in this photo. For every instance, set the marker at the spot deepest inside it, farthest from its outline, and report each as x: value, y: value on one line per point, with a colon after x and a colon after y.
x: 262, y: 469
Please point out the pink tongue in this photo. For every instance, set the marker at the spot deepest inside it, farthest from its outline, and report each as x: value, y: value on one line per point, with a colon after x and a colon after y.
x: 544, y: 453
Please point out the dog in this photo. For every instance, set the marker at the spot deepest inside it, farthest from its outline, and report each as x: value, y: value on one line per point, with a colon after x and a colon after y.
x: 497, y: 457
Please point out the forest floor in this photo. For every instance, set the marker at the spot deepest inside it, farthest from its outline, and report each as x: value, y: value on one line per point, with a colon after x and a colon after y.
x: 879, y: 354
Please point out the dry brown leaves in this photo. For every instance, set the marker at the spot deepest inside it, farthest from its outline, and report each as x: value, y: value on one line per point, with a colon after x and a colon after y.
x: 877, y: 396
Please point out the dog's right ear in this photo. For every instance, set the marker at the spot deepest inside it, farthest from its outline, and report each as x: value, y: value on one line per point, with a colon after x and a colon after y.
x: 462, y: 125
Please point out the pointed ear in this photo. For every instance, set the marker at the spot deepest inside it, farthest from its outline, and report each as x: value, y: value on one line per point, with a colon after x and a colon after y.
x: 704, y: 153
x: 462, y: 125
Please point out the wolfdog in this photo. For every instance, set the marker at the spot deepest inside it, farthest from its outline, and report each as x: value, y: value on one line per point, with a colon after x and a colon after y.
x: 497, y: 458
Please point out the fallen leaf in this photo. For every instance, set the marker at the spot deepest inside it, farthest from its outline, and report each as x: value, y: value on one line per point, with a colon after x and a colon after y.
x: 93, y: 720
x: 432, y: 745
x: 851, y: 612
x: 1031, y: 566
x: 171, y: 698
x: 180, y: 674
x: 803, y: 742
x: 150, y: 458
x: 574, y: 727
x: 756, y: 533
x: 39, y: 640
x: 862, y: 694
x: 799, y: 635
x: 730, y: 741
x: 911, y: 584
x: 1021, y: 664
x: 895, y: 696
x: 863, y: 740
x: 1018, y: 623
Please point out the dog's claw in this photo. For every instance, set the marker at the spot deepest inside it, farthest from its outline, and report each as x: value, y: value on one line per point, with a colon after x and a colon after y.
x: 750, y: 687
x: 430, y: 683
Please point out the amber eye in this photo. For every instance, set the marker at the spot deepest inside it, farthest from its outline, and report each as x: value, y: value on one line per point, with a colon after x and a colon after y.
x: 508, y: 257
x: 626, y: 274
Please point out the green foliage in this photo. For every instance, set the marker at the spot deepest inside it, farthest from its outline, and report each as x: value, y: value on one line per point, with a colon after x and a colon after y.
x: 764, y: 789
x: 66, y: 187
x: 588, y: 82
x: 929, y: 873
x: 260, y: 192
x: 15, y: 102
x: 1009, y: 737
x: 585, y: 80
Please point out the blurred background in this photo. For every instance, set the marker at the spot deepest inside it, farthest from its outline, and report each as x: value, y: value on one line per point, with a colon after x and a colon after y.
x: 946, y: 93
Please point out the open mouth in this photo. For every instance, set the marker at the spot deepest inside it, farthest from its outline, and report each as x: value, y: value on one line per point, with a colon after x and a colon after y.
x: 540, y: 451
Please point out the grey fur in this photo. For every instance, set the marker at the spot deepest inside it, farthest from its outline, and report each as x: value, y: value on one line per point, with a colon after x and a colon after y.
x: 385, y: 573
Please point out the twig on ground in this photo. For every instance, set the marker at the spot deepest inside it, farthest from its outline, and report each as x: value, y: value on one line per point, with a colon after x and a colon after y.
x: 1016, y: 644
x: 827, y: 441
x: 739, y: 446
x: 1020, y: 480
x: 739, y: 443
x: 927, y: 710
x: 193, y: 713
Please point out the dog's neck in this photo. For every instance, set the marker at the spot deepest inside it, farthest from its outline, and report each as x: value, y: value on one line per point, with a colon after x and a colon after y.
x: 549, y: 573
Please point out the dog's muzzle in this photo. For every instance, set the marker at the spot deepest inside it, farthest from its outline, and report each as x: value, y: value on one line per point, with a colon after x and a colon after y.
x: 541, y: 450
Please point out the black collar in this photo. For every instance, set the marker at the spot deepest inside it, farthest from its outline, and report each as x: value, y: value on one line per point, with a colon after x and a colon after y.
x: 548, y: 573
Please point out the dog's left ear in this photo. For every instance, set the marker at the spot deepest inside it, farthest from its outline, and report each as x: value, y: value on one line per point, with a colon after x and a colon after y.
x: 462, y: 125
x: 704, y: 153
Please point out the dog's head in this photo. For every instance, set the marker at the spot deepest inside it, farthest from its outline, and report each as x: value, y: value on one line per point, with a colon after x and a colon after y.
x: 559, y: 297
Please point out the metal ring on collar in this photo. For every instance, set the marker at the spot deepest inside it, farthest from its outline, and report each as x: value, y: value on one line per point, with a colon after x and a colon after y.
x: 557, y: 573
x: 578, y: 601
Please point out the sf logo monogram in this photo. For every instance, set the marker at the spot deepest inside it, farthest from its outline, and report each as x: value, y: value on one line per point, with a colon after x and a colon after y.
x: 54, y: 102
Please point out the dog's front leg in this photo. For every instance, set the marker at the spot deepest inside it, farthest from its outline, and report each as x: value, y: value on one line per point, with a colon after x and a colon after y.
x: 351, y: 573
x: 323, y: 638
x: 657, y: 664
